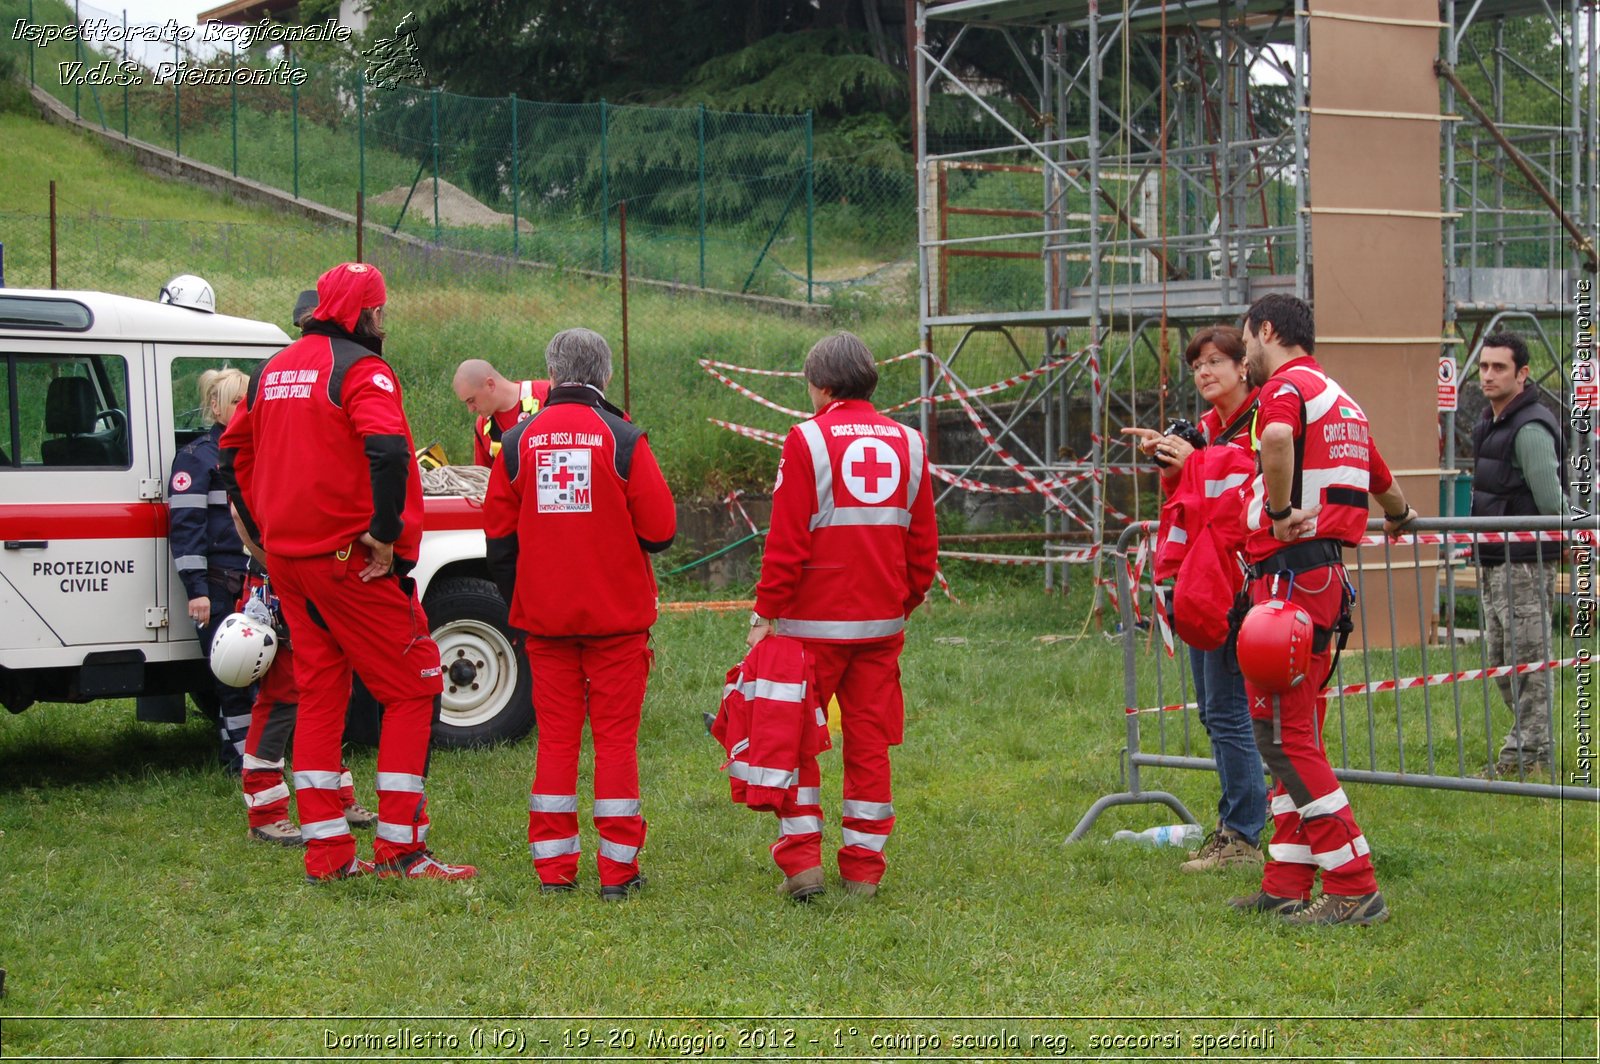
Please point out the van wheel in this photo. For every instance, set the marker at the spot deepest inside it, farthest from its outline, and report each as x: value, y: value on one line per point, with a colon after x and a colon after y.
x: 488, y: 687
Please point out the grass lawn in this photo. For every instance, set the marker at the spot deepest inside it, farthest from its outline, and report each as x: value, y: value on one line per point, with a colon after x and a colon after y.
x: 132, y: 892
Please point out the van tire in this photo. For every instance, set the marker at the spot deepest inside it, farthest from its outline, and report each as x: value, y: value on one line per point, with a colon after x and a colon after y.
x: 488, y: 687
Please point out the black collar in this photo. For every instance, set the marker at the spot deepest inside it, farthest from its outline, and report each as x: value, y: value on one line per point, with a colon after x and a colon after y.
x: 320, y: 327
x: 584, y: 395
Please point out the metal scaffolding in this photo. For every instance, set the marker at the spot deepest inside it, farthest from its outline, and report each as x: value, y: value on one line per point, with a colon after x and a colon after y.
x: 1160, y: 209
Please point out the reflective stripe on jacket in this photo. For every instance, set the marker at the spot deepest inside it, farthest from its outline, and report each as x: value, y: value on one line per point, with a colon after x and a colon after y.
x: 770, y: 719
x: 853, y: 540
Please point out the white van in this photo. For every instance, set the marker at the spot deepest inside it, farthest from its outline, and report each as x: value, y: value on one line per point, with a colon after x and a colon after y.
x: 98, y: 395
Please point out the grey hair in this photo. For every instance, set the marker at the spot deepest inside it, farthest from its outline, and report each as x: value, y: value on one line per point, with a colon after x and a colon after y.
x: 578, y: 356
x: 842, y: 366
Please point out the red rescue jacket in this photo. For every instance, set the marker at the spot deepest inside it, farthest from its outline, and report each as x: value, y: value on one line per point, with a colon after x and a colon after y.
x: 770, y: 718
x: 1202, y: 534
x: 853, y: 541
x: 320, y: 451
x: 1336, y: 463
x: 489, y: 430
x: 575, y: 507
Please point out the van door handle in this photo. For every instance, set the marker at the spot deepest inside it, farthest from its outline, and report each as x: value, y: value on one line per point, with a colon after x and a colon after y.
x: 27, y: 544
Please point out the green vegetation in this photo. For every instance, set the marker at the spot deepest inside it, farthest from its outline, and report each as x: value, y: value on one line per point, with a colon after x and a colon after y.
x: 125, y: 850
x: 444, y: 306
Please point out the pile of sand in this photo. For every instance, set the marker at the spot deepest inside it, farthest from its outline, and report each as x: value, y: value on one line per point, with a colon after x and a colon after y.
x: 455, y: 206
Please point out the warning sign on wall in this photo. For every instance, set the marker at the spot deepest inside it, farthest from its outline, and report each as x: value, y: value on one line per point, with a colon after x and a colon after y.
x: 1448, y: 387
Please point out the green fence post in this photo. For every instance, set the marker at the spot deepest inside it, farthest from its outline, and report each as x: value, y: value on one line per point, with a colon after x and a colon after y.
x: 32, y: 81
x: 702, y: 195
x: 605, y: 196
x: 77, y: 90
x: 233, y: 51
x: 436, y: 164
x: 177, y: 103
x: 124, y: 58
x: 294, y: 122
x: 516, y: 179
x: 811, y: 200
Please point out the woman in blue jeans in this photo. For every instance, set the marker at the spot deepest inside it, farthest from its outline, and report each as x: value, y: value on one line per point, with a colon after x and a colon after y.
x: 1216, y: 357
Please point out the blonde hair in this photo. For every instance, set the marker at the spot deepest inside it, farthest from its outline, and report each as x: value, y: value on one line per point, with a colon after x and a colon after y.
x: 220, y: 387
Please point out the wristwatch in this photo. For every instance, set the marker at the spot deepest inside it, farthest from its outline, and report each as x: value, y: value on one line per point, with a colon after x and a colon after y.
x: 756, y: 620
x: 1395, y: 519
x: 1279, y: 515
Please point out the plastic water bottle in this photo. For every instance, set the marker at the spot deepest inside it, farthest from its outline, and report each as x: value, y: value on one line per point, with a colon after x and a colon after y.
x: 1165, y: 835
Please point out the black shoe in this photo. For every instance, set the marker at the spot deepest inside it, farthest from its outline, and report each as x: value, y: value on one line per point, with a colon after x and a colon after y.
x: 622, y: 891
x: 1262, y: 902
x: 563, y: 887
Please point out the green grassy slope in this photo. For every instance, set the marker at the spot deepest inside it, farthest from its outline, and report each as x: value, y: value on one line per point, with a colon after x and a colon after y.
x: 127, y: 231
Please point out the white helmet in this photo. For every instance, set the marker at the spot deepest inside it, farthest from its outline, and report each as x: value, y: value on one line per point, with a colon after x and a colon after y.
x: 242, y: 650
x: 187, y: 290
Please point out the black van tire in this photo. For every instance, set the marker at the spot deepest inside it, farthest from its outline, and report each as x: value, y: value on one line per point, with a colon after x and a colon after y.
x: 488, y: 687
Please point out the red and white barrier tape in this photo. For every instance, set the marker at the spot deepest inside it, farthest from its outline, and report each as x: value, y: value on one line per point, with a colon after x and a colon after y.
x: 736, y: 510
x: 1412, y: 682
x: 938, y: 574
x: 1071, y: 557
x: 748, y: 394
x: 771, y: 439
x: 1436, y: 539
x: 1004, y: 455
x: 987, y: 389
x: 732, y: 368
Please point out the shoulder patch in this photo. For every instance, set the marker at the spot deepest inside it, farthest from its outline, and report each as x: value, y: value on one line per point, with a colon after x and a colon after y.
x: 382, y: 380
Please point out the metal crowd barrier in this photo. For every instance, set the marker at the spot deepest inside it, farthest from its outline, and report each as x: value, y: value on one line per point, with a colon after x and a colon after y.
x: 1413, y: 701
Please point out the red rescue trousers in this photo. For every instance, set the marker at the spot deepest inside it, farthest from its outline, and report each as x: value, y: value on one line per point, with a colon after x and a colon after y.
x: 266, y: 796
x: 602, y: 678
x: 866, y: 679
x: 1313, y: 827
x: 378, y: 629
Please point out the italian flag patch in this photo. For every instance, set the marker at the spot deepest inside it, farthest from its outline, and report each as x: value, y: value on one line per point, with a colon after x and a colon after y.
x: 1350, y: 412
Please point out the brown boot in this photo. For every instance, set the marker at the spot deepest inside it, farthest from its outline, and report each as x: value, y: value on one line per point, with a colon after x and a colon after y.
x: 803, y: 885
x: 358, y: 816
x: 280, y: 833
x: 860, y: 889
x: 1222, y: 849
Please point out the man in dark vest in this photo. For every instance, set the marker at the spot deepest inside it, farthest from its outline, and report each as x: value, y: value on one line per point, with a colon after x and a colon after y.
x: 1519, y: 451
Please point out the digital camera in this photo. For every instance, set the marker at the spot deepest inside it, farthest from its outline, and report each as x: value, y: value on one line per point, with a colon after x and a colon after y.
x: 1185, y: 431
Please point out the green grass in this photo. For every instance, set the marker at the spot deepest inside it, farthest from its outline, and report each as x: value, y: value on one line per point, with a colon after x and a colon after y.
x: 139, y: 896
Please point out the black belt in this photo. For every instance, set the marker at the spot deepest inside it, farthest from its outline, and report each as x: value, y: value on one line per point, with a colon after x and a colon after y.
x: 1298, y: 557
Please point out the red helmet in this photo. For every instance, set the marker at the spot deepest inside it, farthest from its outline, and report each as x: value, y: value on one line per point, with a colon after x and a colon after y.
x: 1274, y: 646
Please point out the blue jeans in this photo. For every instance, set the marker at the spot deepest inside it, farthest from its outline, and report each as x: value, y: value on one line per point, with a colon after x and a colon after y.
x: 1225, y: 712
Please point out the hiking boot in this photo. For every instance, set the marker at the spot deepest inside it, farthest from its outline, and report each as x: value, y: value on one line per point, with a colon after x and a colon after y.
x: 803, y: 885
x: 1262, y: 902
x: 281, y: 833
x: 623, y: 891
x: 1223, y: 849
x: 358, y: 816
x: 1194, y: 854
x: 421, y: 864
x: 563, y: 886
x: 1333, y: 909
x: 859, y: 888
x: 357, y: 868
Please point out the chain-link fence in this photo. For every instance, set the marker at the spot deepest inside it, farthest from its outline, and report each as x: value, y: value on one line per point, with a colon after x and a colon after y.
x: 735, y: 202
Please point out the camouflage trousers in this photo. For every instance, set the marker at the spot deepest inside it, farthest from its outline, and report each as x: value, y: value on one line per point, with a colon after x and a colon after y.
x: 1518, y: 598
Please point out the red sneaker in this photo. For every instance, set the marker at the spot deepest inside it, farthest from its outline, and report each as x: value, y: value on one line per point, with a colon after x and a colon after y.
x: 357, y: 867
x: 421, y: 864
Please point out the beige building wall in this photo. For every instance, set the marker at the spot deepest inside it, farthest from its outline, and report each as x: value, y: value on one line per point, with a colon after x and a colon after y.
x: 1377, y: 263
